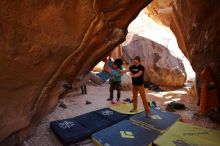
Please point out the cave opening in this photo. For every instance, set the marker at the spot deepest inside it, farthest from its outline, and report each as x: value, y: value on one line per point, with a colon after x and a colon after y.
x: 150, y: 39
x: 159, y: 32
x: 159, y: 35
x: 49, y: 43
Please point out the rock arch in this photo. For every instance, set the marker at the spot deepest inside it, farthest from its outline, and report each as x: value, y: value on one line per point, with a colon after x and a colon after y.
x: 44, y: 43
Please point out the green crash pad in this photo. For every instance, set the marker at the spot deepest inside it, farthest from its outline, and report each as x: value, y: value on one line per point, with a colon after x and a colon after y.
x: 181, y: 134
x: 125, y: 133
x: 158, y: 120
x: 125, y: 108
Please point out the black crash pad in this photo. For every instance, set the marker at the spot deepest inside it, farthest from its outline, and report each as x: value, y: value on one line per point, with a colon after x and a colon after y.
x: 93, y: 122
x: 158, y: 120
x: 69, y: 131
x: 111, y: 115
x: 125, y: 133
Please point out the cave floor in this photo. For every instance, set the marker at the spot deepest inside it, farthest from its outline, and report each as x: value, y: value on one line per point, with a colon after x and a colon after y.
x: 43, y: 136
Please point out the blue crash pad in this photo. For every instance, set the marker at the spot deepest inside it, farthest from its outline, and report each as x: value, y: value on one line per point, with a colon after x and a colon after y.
x: 111, y: 115
x: 125, y: 133
x: 158, y: 120
x: 93, y: 122
x: 69, y: 131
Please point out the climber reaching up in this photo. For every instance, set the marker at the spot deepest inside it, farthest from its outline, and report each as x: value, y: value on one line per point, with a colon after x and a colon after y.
x: 110, y: 70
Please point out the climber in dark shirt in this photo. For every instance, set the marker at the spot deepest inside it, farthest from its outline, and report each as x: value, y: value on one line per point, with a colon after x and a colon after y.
x: 137, y: 73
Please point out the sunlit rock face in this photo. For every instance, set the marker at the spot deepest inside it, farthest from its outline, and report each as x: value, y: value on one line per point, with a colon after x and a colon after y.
x: 146, y: 27
x: 45, y: 43
x: 161, y: 67
x: 160, y: 11
x: 126, y: 83
x: 196, y: 26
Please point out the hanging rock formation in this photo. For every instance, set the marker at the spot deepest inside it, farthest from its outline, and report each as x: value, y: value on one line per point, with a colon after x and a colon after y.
x: 160, y: 11
x: 161, y: 68
x: 45, y: 43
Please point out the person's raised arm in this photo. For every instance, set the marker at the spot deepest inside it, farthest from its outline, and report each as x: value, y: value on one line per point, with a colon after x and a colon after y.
x: 106, y: 67
x: 124, y: 71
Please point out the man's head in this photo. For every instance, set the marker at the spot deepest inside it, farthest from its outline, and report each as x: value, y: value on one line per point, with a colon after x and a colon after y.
x: 117, y: 63
x: 137, y: 60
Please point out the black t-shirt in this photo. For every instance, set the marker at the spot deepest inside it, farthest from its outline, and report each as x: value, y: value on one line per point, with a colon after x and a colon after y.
x: 135, y: 69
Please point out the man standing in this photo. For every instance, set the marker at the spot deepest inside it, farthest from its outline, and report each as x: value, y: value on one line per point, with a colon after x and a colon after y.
x: 137, y: 73
x: 115, y: 81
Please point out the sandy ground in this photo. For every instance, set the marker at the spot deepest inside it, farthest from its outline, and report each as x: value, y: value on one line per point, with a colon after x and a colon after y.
x: 43, y: 136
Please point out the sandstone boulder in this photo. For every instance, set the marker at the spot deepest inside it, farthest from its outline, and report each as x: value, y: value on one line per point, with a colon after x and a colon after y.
x: 98, y: 67
x: 160, y: 11
x: 45, y: 43
x: 161, y: 68
x: 126, y: 82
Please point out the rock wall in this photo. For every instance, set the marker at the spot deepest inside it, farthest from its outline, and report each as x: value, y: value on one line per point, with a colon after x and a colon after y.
x: 160, y: 11
x: 161, y: 68
x: 126, y: 83
x: 196, y: 26
x: 45, y: 43
x: 117, y: 52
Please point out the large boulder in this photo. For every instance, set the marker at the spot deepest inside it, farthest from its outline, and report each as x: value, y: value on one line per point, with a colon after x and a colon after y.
x: 99, y: 67
x: 161, y: 68
x: 160, y: 11
x: 126, y: 82
x: 45, y: 43
x: 146, y: 27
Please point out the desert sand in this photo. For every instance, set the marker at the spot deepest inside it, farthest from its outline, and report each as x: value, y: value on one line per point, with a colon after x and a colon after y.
x: 43, y: 136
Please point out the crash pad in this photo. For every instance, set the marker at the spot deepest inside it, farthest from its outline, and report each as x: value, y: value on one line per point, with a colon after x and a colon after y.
x: 93, y: 122
x: 125, y: 133
x: 111, y: 115
x: 69, y: 131
x: 158, y: 119
x: 125, y: 108
x: 182, y: 134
